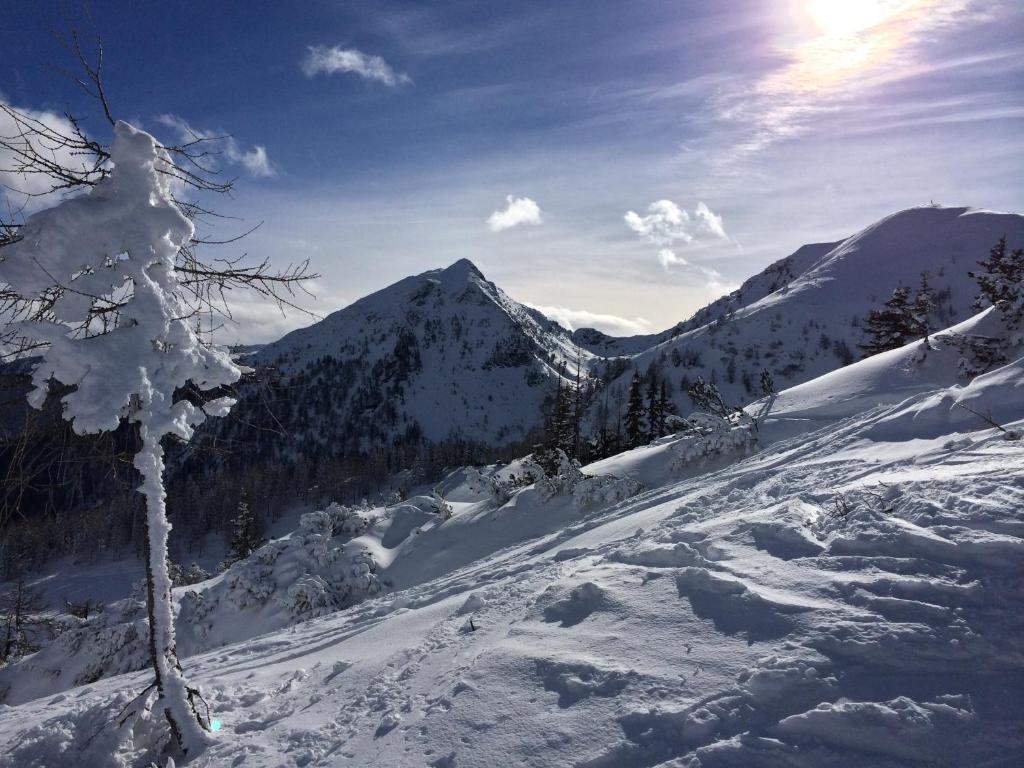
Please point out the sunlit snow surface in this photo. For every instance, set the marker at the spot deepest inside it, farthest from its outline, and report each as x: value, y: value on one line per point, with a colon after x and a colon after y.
x: 727, y: 616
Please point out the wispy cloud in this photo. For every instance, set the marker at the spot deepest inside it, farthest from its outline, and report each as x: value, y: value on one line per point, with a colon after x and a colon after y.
x: 518, y: 210
x: 613, y: 325
x: 255, y: 161
x: 668, y: 225
x: 323, y: 60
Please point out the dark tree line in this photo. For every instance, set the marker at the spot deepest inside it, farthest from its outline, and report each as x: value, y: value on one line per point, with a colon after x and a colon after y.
x: 580, y: 405
x: 906, y: 316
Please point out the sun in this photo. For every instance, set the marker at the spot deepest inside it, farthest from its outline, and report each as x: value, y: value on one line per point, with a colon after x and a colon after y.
x: 842, y: 18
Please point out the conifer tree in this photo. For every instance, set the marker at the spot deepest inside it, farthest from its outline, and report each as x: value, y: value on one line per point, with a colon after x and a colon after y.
x: 901, y: 320
x: 635, y: 413
x: 664, y: 407
x: 1001, y: 282
x: 246, y: 538
x: 653, y: 406
x: 112, y: 254
x: 892, y: 326
x: 924, y: 304
x: 767, y: 383
x: 577, y: 405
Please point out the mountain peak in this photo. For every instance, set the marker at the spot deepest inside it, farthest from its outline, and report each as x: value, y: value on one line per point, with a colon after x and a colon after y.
x: 462, y: 269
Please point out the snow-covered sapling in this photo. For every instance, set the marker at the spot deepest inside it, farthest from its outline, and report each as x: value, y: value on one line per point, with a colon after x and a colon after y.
x: 118, y: 334
x: 440, y: 507
x: 706, y: 397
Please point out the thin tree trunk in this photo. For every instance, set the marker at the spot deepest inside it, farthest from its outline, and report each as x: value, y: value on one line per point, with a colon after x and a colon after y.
x: 173, y: 693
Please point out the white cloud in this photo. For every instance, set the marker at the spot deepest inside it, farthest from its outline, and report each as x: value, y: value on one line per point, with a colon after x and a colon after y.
x: 669, y: 258
x: 613, y: 325
x: 258, y: 320
x: 520, y: 210
x: 707, y: 223
x: 328, y: 61
x: 31, y: 190
x: 667, y: 225
x: 716, y: 284
x: 254, y: 161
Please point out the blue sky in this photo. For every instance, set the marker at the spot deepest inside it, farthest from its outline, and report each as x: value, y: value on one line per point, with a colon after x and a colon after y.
x: 379, y: 139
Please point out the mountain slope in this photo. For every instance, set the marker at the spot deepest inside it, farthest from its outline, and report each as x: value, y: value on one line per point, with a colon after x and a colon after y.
x: 772, y: 278
x: 801, y: 317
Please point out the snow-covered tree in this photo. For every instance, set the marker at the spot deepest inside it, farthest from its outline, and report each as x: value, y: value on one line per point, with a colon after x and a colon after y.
x: 117, y: 333
x: 497, y: 490
x: 706, y: 397
x: 441, y: 507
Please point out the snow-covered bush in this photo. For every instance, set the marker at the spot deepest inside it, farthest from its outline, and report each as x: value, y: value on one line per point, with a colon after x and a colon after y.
x: 108, y: 643
x: 497, y: 490
x: 312, y: 572
x: 315, y: 571
x: 562, y: 478
x: 184, y: 577
x: 441, y: 507
x: 706, y: 435
x: 600, y: 490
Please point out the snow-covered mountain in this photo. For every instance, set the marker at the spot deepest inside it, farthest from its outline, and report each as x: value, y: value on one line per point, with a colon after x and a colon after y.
x: 801, y: 317
x: 441, y: 355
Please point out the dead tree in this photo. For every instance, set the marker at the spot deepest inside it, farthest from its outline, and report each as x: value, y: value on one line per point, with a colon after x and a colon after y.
x: 23, y: 622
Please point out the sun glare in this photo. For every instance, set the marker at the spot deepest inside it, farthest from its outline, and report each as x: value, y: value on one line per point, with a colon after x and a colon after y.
x: 841, y: 18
